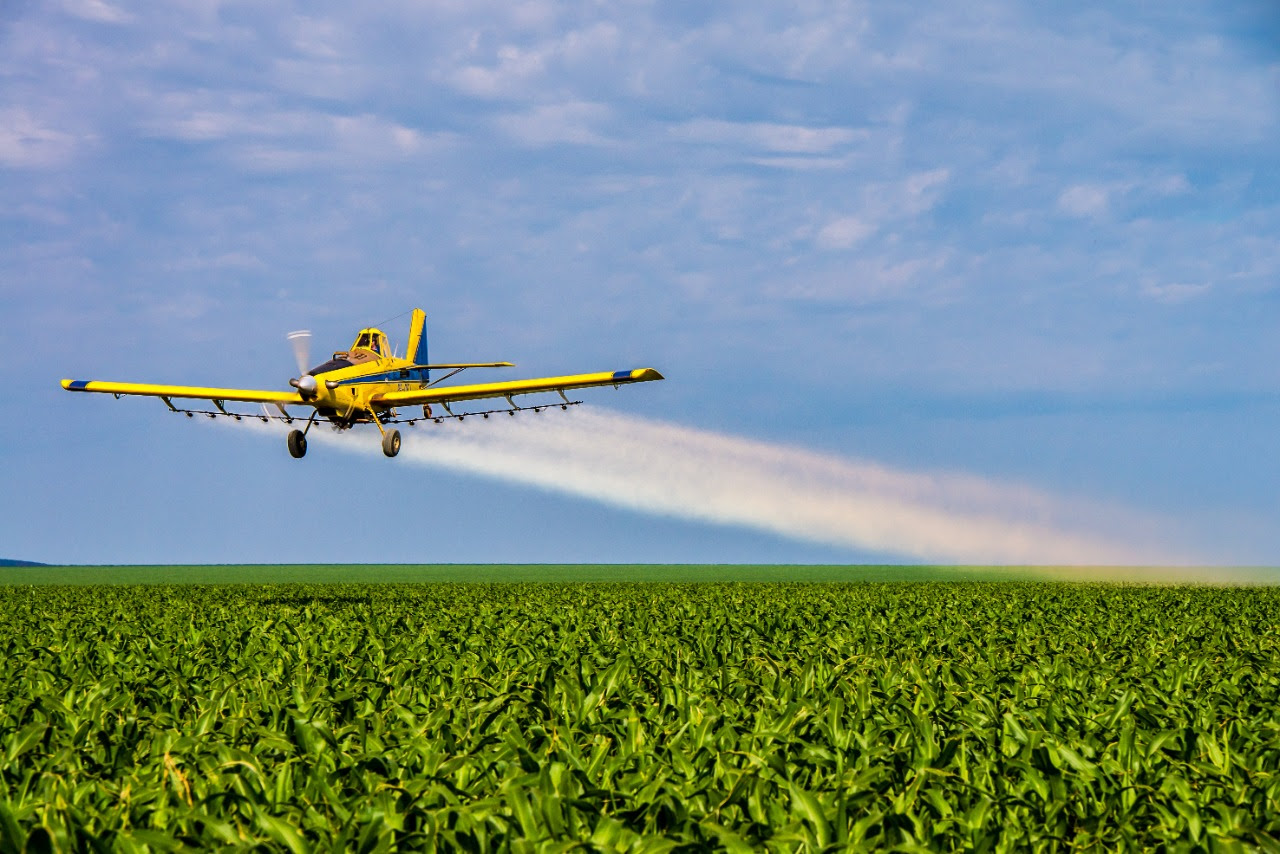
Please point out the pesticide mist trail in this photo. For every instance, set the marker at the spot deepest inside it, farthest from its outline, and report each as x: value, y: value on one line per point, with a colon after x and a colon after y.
x: 663, y: 468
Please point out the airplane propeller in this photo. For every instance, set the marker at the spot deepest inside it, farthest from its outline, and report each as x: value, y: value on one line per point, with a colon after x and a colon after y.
x: 301, y: 342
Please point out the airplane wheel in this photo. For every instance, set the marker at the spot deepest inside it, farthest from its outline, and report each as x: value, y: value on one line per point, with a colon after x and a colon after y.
x: 297, y: 444
x: 391, y: 443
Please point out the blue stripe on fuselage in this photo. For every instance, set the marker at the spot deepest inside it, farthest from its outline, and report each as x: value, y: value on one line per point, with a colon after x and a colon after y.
x: 388, y: 377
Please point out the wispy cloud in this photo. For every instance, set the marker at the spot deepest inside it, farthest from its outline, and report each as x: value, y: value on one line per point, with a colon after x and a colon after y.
x: 1084, y: 200
x: 95, y: 10
x: 843, y: 233
x: 574, y: 123
x: 768, y: 136
x: 26, y: 142
x: 1095, y: 200
x: 1172, y: 293
x: 261, y: 137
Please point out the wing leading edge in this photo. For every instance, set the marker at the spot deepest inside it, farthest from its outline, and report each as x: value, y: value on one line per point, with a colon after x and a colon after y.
x: 245, y: 395
x: 479, y: 391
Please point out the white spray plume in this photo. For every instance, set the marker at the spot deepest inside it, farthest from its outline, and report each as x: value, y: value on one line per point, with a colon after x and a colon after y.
x: 672, y: 470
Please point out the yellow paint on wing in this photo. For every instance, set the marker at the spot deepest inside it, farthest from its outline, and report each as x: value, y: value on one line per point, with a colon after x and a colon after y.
x: 514, y: 387
x: 184, y: 391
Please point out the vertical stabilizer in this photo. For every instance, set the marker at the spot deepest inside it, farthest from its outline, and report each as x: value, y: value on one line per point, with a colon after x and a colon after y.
x: 417, y: 336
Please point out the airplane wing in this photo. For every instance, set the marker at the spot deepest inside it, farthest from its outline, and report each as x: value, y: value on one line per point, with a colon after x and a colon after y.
x: 449, y: 394
x: 166, y: 391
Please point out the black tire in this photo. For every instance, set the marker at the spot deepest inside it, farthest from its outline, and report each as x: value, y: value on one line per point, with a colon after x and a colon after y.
x: 391, y: 443
x: 297, y: 444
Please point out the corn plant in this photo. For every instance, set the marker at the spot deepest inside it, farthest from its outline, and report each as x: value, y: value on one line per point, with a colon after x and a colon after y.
x: 640, y: 717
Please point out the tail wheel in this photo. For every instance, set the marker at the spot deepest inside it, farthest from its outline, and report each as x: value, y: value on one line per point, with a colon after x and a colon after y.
x: 391, y: 443
x: 297, y: 444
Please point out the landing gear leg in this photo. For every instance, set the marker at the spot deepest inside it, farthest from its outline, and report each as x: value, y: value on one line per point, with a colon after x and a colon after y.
x: 298, y: 439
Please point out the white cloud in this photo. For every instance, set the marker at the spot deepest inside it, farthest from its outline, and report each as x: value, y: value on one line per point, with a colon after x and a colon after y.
x: 860, y: 279
x: 95, y: 10
x: 803, y: 41
x: 26, y: 142
x: 903, y: 198
x: 373, y: 136
x: 1095, y: 200
x: 768, y: 136
x: 802, y: 164
x: 1084, y: 200
x: 257, y: 135
x: 798, y: 139
x: 576, y: 122
x: 843, y: 233
x: 205, y: 125
x: 1172, y: 293
x: 516, y: 69
x: 1130, y: 73
x: 225, y: 261
x: 322, y: 38
x: 922, y: 189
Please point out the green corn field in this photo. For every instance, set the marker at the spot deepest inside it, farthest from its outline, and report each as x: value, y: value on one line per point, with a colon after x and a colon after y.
x: 640, y: 717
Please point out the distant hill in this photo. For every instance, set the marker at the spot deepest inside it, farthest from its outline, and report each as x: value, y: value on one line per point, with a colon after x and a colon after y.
x: 7, y: 562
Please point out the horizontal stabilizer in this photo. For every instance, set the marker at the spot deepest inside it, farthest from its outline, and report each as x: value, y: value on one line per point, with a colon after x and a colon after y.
x: 459, y: 365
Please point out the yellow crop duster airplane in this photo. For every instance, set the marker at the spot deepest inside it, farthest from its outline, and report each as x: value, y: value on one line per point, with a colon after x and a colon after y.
x: 367, y: 384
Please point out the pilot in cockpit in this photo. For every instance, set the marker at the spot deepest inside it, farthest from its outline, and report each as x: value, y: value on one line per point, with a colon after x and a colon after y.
x: 371, y: 341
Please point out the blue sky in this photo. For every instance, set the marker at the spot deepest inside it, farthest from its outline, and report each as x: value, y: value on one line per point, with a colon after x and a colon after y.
x: 1029, y: 242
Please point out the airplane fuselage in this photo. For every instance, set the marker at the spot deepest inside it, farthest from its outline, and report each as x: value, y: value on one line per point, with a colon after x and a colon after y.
x: 344, y: 394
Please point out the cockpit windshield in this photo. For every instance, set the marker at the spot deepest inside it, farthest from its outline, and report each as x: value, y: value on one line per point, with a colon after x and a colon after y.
x: 332, y: 365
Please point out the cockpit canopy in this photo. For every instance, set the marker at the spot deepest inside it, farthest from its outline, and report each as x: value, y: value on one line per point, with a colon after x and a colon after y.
x: 372, y: 340
x: 369, y: 344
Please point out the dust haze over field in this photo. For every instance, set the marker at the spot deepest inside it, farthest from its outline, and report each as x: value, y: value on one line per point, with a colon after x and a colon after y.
x: 672, y: 470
